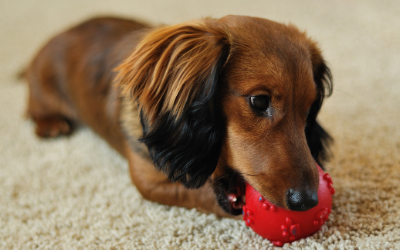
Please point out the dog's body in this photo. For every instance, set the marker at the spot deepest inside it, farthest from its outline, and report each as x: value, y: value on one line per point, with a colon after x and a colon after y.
x: 211, y: 104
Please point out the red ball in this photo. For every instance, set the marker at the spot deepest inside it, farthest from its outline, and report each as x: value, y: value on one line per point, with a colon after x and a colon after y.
x: 284, y: 226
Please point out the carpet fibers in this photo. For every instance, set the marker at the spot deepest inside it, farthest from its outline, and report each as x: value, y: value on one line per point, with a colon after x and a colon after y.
x: 75, y: 193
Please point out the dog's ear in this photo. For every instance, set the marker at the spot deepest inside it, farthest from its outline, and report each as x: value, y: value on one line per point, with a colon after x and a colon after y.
x: 318, y: 139
x: 173, y: 76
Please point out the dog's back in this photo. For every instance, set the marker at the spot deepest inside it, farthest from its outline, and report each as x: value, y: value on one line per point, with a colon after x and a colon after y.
x: 73, y: 73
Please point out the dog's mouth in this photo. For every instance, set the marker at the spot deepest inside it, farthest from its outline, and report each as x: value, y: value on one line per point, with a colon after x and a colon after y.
x: 230, y: 192
x: 236, y: 200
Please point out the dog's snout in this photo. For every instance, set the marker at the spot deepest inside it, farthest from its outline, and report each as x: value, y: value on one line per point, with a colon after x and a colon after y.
x: 301, y: 200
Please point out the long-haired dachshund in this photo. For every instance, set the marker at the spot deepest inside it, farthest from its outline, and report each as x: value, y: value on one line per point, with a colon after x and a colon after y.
x: 197, y: 108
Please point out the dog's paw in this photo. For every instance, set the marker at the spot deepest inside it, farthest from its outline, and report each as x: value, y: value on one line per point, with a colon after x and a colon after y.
x: 52, y: 126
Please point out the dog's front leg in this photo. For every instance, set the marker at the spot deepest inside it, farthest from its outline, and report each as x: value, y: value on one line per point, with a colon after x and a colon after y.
x: 155, y: 186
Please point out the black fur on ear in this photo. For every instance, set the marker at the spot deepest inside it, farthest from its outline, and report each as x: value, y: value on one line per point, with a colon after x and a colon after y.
x: 317, y: 138
x: 173, y: 76
x: 187, y: 147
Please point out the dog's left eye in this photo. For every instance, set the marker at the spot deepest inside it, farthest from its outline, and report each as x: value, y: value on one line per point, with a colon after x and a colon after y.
x: 260, y: 102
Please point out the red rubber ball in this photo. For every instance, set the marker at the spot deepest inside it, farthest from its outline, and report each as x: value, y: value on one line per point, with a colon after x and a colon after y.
x: 284, y: 226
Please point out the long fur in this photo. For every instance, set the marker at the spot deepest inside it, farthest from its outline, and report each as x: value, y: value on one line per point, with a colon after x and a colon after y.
x: 317, y: 138
x: 175, y: 81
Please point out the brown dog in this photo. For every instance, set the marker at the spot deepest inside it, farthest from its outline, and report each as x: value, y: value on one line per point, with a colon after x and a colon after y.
x: 197, y: 108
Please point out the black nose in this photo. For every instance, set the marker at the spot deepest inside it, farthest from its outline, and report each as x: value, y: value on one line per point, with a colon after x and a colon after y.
x: 301, y: 200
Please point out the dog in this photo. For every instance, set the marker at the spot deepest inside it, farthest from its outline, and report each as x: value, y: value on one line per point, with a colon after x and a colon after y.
x: 198, y: 108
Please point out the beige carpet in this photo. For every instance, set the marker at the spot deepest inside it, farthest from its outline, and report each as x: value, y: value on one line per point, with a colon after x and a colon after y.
x: 75, y: 193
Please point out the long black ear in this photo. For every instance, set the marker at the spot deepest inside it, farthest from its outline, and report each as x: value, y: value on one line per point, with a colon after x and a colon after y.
x: 174, y: 78
x: 188, y: 147
x: 317, y: 138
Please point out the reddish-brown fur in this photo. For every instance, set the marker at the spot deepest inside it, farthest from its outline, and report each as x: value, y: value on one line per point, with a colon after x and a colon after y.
x: 162, y: 70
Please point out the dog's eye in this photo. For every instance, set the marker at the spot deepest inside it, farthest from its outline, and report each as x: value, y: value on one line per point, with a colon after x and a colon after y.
x: 260, y: 102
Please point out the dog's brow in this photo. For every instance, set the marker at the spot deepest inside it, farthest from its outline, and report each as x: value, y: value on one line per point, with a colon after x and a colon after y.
x: 236, y: 93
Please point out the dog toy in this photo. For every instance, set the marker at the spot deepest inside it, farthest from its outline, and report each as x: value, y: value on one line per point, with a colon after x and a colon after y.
x: 283, y: 226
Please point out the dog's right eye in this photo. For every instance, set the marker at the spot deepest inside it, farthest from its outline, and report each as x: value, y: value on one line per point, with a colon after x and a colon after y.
x: 260, y: 103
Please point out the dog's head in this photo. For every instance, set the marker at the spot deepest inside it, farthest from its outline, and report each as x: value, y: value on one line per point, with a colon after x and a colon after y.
x: 232, y: 100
